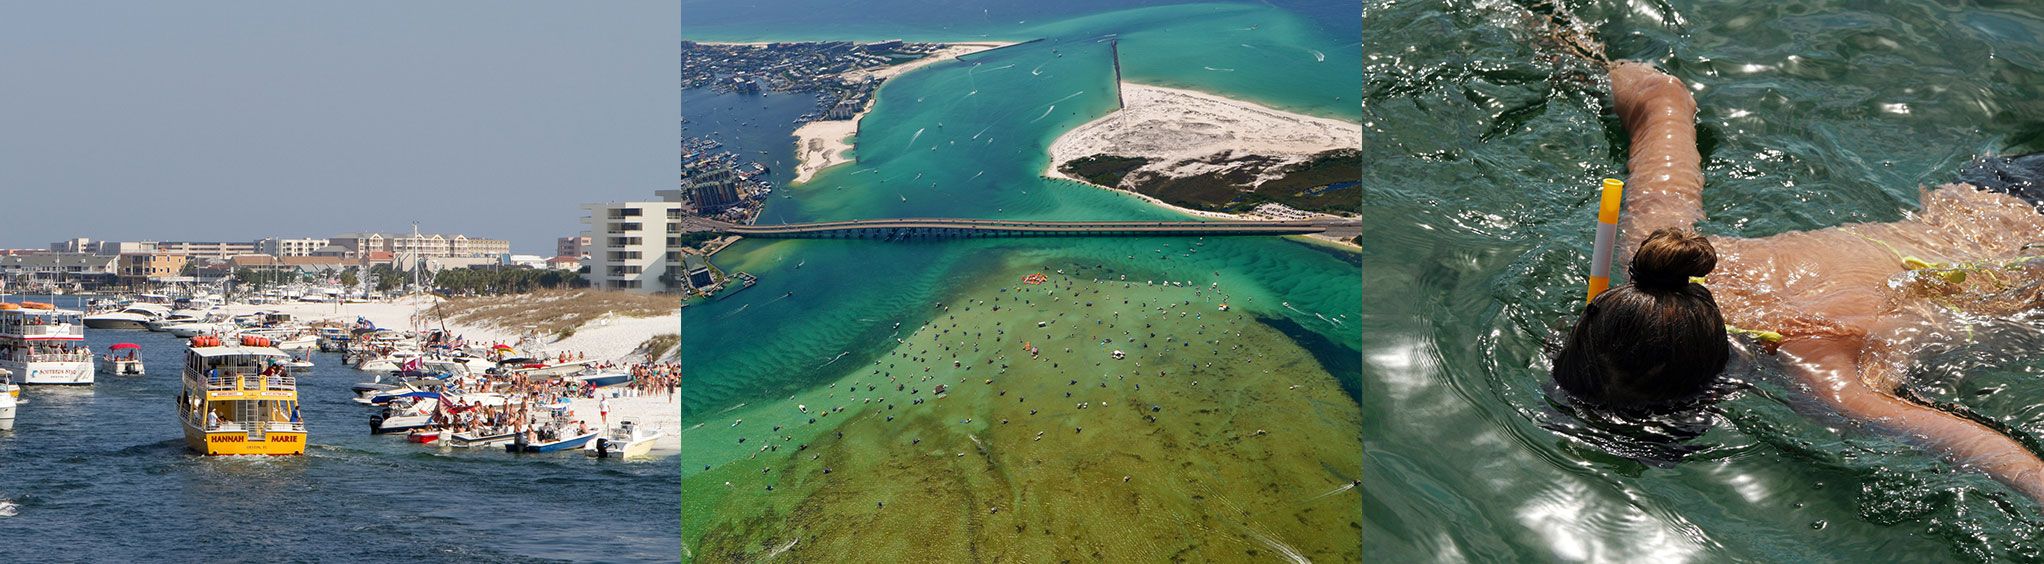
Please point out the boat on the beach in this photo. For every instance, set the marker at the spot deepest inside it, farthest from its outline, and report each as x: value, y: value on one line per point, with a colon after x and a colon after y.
x: 521, y: 445
x: 541, y: 368
x: 628, y: 440
x: 236, y: 401
x: 41, y: 344
x: 603, y: 379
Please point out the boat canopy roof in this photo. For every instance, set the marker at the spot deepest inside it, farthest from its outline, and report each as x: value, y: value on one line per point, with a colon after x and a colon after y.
x: 217, y: 352
x: 43, y: 312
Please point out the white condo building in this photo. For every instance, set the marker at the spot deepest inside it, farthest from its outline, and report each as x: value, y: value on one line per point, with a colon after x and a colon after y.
x: 631, y: 245
x: 277, y: 247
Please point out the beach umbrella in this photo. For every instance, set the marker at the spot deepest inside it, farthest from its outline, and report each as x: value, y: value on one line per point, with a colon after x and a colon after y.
x: 125, y: 346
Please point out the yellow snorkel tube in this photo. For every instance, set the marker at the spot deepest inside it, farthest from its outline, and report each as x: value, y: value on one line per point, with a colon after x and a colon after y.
x: 1607, y: 236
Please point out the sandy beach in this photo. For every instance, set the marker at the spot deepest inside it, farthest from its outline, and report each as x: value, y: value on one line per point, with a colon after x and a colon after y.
x: 1174, y: 128
x: 612, y: 338
x: 823, y: 144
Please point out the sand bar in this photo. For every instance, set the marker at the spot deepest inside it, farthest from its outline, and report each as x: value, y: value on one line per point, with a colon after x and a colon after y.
x: 823, y: 144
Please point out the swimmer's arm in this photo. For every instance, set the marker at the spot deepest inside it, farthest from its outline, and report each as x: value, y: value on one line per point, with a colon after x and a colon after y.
x: 1831, y: 368
x: 1664, y: 187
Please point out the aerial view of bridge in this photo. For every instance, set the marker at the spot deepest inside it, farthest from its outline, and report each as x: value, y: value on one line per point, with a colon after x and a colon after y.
x: 929, y: 228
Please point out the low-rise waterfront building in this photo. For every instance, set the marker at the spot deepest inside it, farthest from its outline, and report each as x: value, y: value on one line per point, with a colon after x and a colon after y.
x: 207, y: 249
x: 135, y: 269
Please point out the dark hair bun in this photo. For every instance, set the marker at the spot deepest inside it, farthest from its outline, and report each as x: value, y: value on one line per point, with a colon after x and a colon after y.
x: 1670, y: 257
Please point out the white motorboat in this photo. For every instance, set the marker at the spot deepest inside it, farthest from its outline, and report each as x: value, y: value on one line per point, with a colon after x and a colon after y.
x: 389, y: 364
x: 135, y: 316
x: 7, y: 401
x: 403, y: 414
x: 175, y: 318
x: 299, y: 342
x: 189, y: 330
x: 628, y: 440
x: 296, y: 365
x: 481, y: 438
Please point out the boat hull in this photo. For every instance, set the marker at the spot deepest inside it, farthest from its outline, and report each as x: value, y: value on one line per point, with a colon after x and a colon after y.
x: 604, y: 447
x: 556, y: 446
x: 463, y: 441
x: 116, y: 324
x: 608, y: 380
x: 237, y: 443
x: 51, y: 373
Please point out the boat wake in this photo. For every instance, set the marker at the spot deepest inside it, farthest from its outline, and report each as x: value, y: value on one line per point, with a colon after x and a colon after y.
x: 834, y: 359
x: 1046, y: 113
x: 1318, y: 56
x: 912, y: 138
x: 1218, y: 70
x: 777, y: 552
x: 1038, y: 71
x: 1343, y: 488
x: 8, y: 508
x: 736, y: 311
x: 1290, y: 554
x: 728, y: 410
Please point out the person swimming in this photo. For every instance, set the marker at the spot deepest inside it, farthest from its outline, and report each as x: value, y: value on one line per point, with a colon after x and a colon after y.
x: 1853, y: 305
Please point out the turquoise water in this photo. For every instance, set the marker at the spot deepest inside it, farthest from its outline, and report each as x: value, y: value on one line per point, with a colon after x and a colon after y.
x: 1483, y: 153
x: 968, y: 139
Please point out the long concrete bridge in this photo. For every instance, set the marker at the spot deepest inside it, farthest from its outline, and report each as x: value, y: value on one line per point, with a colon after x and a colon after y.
x: 929, y: 228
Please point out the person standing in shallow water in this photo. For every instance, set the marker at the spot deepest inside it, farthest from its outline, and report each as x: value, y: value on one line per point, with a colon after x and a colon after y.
x: 1854, y: 305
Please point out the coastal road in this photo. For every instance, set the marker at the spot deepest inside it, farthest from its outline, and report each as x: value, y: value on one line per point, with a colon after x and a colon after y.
x: 925, y: 228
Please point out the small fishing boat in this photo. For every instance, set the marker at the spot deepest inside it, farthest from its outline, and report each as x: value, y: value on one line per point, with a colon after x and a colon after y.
x: 520, y: 445
x: 628, y: 440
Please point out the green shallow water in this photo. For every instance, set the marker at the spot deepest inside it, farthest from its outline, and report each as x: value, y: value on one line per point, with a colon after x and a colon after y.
x: 968, y: 139
x: 1483, y: 157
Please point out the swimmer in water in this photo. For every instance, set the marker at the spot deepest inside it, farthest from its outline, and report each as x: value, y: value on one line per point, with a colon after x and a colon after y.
x: 1847, y: 309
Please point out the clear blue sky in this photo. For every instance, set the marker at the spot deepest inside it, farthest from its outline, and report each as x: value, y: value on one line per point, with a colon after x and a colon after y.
x: 236, y: 120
